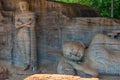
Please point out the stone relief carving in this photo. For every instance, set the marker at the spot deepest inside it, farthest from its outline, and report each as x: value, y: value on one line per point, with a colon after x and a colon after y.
x: 5, y: 38
x: 52, y: 40
x: 72, y: 51
x: 25, y: 24
x: 102, y: 57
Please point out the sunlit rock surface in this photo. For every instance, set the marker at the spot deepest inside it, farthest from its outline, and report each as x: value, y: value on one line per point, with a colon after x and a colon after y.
x: 56, y: 77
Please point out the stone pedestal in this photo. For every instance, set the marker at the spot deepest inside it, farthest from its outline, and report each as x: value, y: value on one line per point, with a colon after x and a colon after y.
x: 56, y: 77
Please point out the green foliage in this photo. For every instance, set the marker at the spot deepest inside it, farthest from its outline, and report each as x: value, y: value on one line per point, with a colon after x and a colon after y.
x: 103, y: 6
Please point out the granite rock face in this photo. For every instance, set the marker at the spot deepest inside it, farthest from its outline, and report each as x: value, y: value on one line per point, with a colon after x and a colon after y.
x: 54, y: 27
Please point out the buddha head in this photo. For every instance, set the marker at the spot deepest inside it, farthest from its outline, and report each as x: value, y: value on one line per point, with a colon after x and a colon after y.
x: 24, y: 6
x: 74, y: 50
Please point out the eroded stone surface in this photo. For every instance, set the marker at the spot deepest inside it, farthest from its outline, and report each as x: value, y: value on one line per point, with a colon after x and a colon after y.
x: 26, y: 38
x: 101, y: 57
x: 53, y: 29
x: 4, y: 73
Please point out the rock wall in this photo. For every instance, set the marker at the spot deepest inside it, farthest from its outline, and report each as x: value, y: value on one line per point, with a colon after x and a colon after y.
x: 55, y: 24
x: 63, y: 29
x: 45, y: 6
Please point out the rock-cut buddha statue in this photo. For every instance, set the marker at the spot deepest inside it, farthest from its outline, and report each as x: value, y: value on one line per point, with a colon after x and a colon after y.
x: 25, y: 24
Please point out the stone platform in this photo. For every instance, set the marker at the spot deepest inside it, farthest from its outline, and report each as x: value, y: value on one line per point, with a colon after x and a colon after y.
x: 56, y: 77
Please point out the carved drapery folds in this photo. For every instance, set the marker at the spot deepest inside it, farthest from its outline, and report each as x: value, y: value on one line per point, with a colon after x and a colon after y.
x: 26, y: 38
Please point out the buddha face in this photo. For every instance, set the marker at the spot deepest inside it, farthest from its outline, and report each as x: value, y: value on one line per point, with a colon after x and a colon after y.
x: 23, y: 6
x: 73, y: 51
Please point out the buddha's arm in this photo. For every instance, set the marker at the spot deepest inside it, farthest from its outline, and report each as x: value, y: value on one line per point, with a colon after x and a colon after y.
x: 85, y: 68
x: 30, y: 23
x: 19, y: 25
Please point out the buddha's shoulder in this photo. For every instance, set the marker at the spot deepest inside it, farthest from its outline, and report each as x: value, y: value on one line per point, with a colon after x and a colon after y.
x: 25, y: 14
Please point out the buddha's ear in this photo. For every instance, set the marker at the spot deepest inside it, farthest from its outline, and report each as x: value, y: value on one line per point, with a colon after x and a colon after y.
x: 82, y: 44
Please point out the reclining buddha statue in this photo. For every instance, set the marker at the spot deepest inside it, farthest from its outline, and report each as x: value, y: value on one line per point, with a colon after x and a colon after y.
x: 101, y: 57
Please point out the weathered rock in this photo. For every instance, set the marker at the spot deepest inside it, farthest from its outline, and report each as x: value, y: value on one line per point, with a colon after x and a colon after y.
x: 53, y: 29
x: 101, y: 57
x: 3, y: 73
x: 25, y: 23
x: 45, y: 6
x: 104, y: 53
